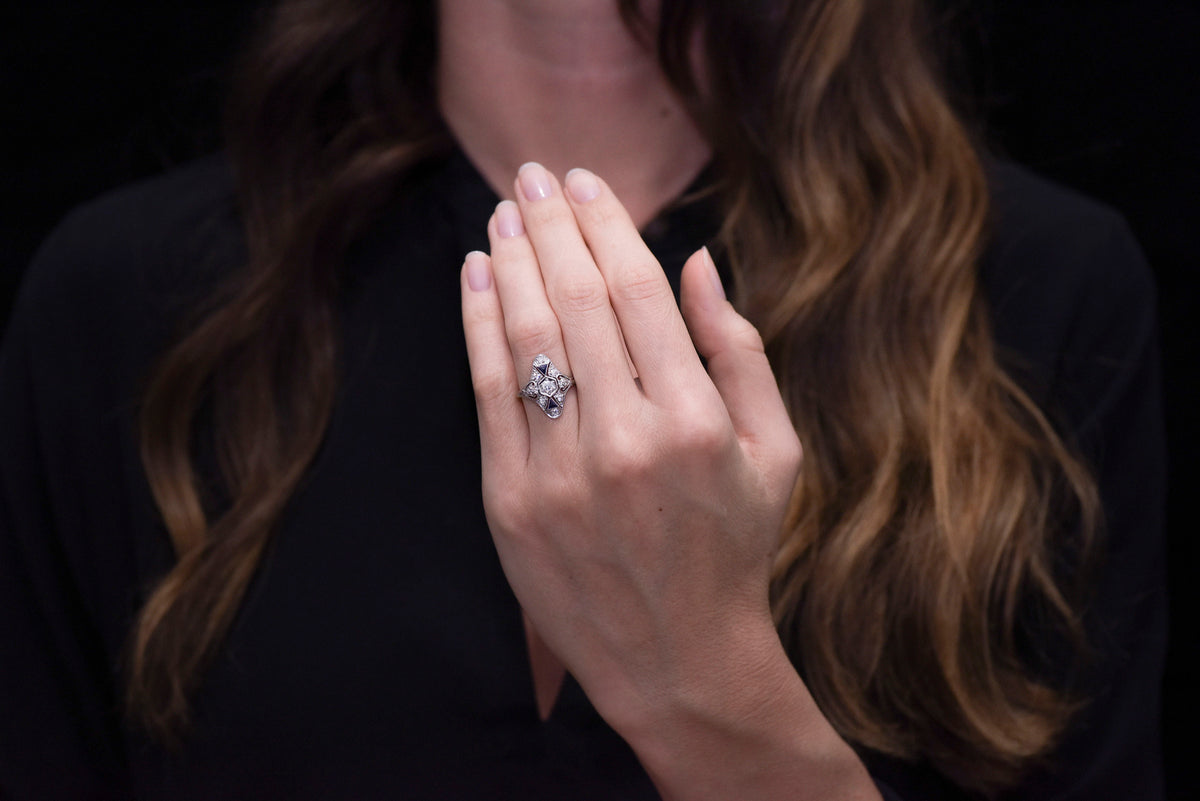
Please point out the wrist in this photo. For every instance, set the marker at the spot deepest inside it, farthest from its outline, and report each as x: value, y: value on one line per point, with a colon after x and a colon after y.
x: 745, y: 726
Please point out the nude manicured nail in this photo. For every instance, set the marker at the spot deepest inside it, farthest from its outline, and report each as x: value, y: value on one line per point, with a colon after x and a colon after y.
x: 508, y: 219
x: 479, y: 274
x: 582, y: 185
x: 534, y: 180
x: 713, y: 275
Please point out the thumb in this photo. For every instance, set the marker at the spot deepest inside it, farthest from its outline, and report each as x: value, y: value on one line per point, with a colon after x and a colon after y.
x: 733, y: 349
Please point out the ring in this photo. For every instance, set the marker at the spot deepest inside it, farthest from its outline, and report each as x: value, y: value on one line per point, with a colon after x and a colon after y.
x: 547, y: 386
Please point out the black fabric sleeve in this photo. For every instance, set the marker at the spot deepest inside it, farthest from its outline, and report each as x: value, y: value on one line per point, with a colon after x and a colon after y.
x: 1109, y: 386
x: 80, y: 539
x: 66, y: 570
x: 59, y: 735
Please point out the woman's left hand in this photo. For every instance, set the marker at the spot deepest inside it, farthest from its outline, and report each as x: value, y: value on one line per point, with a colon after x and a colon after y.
x: 637, y: 530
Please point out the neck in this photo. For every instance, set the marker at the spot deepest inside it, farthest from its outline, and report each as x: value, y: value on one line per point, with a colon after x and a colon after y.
x: 564, y: 83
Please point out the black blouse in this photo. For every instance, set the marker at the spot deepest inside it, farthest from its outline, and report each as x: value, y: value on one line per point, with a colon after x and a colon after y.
x: 380, y: 652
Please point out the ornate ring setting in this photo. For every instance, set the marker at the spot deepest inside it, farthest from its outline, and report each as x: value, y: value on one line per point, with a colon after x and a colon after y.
x: 547, y: 386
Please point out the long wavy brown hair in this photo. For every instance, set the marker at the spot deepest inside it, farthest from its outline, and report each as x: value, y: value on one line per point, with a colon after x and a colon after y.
x: 934, y: 493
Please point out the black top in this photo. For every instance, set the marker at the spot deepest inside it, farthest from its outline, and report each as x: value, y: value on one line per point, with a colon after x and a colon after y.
x: 380, y: 652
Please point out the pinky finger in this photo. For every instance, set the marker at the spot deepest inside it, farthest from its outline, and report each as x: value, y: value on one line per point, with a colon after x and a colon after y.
x: 503, y: 425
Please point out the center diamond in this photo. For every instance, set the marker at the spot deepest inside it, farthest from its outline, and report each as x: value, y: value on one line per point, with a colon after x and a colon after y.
x: 547, y: 386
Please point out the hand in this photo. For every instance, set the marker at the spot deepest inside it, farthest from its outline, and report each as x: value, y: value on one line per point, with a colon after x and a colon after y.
x: 638, y: 529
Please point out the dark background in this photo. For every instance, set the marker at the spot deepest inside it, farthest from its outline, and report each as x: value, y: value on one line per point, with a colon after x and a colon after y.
x: 1098, y: 94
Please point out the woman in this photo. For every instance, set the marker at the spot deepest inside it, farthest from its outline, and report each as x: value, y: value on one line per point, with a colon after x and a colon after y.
x: 247, y: 514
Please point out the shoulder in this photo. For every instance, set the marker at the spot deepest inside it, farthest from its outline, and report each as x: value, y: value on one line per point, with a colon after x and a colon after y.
x: 163, y: 227
x: 1070, y: 294
x: 1068, y: 246
x: 118, y: 271
x: 109, y: 290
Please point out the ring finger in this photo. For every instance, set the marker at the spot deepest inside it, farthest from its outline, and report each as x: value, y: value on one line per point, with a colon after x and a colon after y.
x: 529, y: 321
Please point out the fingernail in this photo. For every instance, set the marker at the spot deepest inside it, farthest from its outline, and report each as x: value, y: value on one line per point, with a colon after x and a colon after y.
x: 508, y: 219
x: 713, y: 275
x: 479, y: 274
x: 534, y: 180
x: 582, y: 185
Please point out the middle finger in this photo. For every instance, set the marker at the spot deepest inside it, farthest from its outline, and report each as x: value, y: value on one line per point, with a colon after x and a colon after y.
x: 577, y: 292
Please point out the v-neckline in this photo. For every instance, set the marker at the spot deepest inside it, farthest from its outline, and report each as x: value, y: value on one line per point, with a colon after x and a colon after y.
x: 546, y: 671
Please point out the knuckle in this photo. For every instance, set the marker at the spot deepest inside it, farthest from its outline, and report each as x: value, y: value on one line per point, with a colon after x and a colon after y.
x: 640, y: 282
x: 547, y: 215
x: 621, y: 455
x: 506, y: 508
x: 791, y: 454
x: 745, y: 336
x: 604, y: 213
x: 485, y: 315
x: 700, y: 423
x: 782, y: 463
x: 492, y: 389
x: 701, y: 433
x: 533, y: 334
x: 796, y: 454
x: 581, y: 296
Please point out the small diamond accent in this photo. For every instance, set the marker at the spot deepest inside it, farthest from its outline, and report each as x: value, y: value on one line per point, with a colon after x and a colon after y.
x: 547, y: 386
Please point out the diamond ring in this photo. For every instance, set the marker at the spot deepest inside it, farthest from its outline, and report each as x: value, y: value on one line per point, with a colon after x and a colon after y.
x: 547, y: 386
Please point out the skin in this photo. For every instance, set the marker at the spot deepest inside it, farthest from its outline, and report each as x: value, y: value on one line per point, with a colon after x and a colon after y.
x: 637, y: 530
x: 562, y: 82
